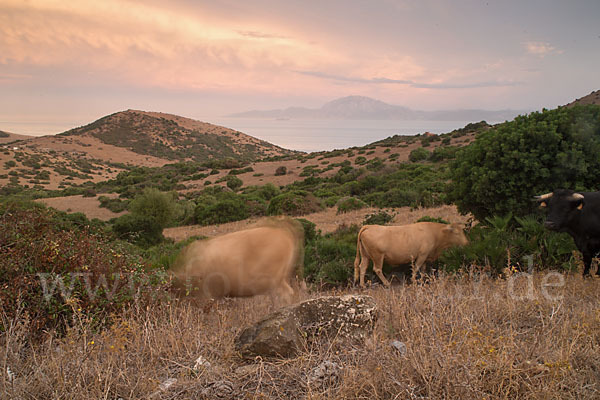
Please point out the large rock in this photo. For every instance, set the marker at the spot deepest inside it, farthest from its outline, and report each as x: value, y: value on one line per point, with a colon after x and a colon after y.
x: 282, y: 334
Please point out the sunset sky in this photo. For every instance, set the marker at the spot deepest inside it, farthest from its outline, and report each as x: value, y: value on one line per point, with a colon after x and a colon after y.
x: 66, y: 63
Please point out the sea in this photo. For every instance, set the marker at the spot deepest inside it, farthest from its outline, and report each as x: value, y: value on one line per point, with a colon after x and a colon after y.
x: 327, y: 134
x: 307, y: 135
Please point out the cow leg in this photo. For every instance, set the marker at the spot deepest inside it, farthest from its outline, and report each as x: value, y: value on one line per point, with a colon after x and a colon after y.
x: 378, y: 269
x: 416, y: 267
x: 587, y: 262
x: 282, y: 295
x: 364, y: 264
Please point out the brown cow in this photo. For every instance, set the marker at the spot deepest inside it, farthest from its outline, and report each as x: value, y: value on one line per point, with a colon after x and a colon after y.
x: 415, y: 244
x: 258, y: 260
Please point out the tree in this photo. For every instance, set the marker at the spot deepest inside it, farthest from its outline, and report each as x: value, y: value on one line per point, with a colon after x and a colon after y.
x: 506, y: 166
x: 154, y: 204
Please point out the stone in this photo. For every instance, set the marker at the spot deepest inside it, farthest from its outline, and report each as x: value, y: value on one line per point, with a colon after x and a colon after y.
x: 283, y: 333
x: 399, y: 346
x: 325, y: 374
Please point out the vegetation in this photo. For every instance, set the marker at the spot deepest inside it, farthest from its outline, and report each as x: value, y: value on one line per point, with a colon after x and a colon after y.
x: 56, y: 267
x: 500, y: 172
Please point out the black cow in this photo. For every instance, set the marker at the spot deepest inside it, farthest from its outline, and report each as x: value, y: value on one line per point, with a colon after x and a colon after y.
x: 578, y: 214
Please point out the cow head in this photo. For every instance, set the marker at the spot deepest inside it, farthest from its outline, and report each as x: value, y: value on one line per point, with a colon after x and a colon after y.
x: 562, y: 205
x: 456, y: 235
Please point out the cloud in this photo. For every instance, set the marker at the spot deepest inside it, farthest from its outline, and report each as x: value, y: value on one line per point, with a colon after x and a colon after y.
x: 140, y: 44
x: 540, y: 49
x: 260, y: 35
x: 413, y: 84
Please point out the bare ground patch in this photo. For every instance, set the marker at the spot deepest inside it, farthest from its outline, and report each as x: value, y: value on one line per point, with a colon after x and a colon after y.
x: 90, y: 206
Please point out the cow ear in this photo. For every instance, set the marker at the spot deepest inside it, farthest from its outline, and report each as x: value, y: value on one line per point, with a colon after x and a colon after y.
x: 543, y: 204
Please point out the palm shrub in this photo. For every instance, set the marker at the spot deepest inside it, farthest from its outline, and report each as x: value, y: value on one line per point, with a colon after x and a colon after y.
x: 506, y: 241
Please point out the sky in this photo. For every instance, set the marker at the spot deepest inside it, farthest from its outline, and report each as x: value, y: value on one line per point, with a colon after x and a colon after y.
x: 66, y: 63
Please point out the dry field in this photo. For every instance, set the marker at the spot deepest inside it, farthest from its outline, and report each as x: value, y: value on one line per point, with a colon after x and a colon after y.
x: 327, y: 221
x: 90, y: 206
x: 466, y: 337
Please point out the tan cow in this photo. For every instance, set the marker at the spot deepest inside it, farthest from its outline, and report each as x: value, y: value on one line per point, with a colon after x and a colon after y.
x: 259, y: 260
x: 414, y: 244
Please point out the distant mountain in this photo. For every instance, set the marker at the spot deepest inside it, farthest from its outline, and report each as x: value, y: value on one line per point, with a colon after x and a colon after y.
x: 360, y: 107
x: 172, y: 137
x: 592, y: 98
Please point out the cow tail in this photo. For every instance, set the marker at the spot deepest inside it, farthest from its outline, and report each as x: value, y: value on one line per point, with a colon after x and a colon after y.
x: 359, y: 249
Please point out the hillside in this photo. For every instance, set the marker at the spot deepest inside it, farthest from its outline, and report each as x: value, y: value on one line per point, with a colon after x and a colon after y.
x: 173, y: 137
x: 361, y: 107
x: 7, y: 137
x: 100, y: 150
x: 592, y: 98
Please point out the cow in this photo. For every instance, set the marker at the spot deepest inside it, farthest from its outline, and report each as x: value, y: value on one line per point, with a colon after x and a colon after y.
x: 415, y: 244
x: 578, y: 214
x: 259, y: 260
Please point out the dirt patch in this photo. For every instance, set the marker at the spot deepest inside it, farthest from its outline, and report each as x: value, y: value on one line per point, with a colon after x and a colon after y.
x: 90, y: 206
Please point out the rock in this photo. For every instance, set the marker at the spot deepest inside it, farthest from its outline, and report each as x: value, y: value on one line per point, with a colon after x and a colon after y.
x: 282, y: 334
x: 220, y: 389
x: 325, y: 374
x: 401, y: 347
x: 201, y: 363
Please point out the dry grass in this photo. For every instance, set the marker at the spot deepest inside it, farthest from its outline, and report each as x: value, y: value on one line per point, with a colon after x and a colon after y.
x: 327, y: 220
x: 466, y: 337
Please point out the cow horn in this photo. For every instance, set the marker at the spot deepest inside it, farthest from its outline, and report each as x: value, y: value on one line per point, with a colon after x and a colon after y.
x: 577, y: 196
x: 544, y: 196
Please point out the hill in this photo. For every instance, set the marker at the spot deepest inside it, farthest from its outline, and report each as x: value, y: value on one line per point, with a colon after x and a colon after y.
x: 172, y: 137
x: 592, y: 98
x: 7, y: 137
x: 360, y: 107
x: 100, y: 150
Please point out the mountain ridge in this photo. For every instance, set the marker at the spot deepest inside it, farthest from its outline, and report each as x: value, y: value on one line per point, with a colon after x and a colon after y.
x: 362, y: 107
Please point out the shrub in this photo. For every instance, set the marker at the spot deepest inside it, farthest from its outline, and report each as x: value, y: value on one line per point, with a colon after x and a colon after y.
x: 419, y: 154
x: 89, y: 192
x: 296, y: 202
x: 427, y: 218
x: 349, y: 204
x: 282, y: 170
x: 114, y: 205
x: 228, y: 210
x: 55, y: 267
x: 234, y: 183
x: 154, y: 204
x: 378, y: 218
x: 142, y: 230
x: 330, y: 258
x: 501, y: 242
x: 505, y: 166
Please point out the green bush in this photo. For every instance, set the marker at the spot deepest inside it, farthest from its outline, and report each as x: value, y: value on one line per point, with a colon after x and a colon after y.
x: 350, y: 204
x: 505, y: 166
x: 501, y: 242
x: 142, y: 230
x: 282, y: 170
x: 56, y: 268
x: 419, y: 154
x: 330, y: 258
x: 234, y: 183
x: 427, y: 218
x: 228, y: 210
x: 115, y: 205
x: 295, y: 202
x: 378, y: 218
x: 155, y: 205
